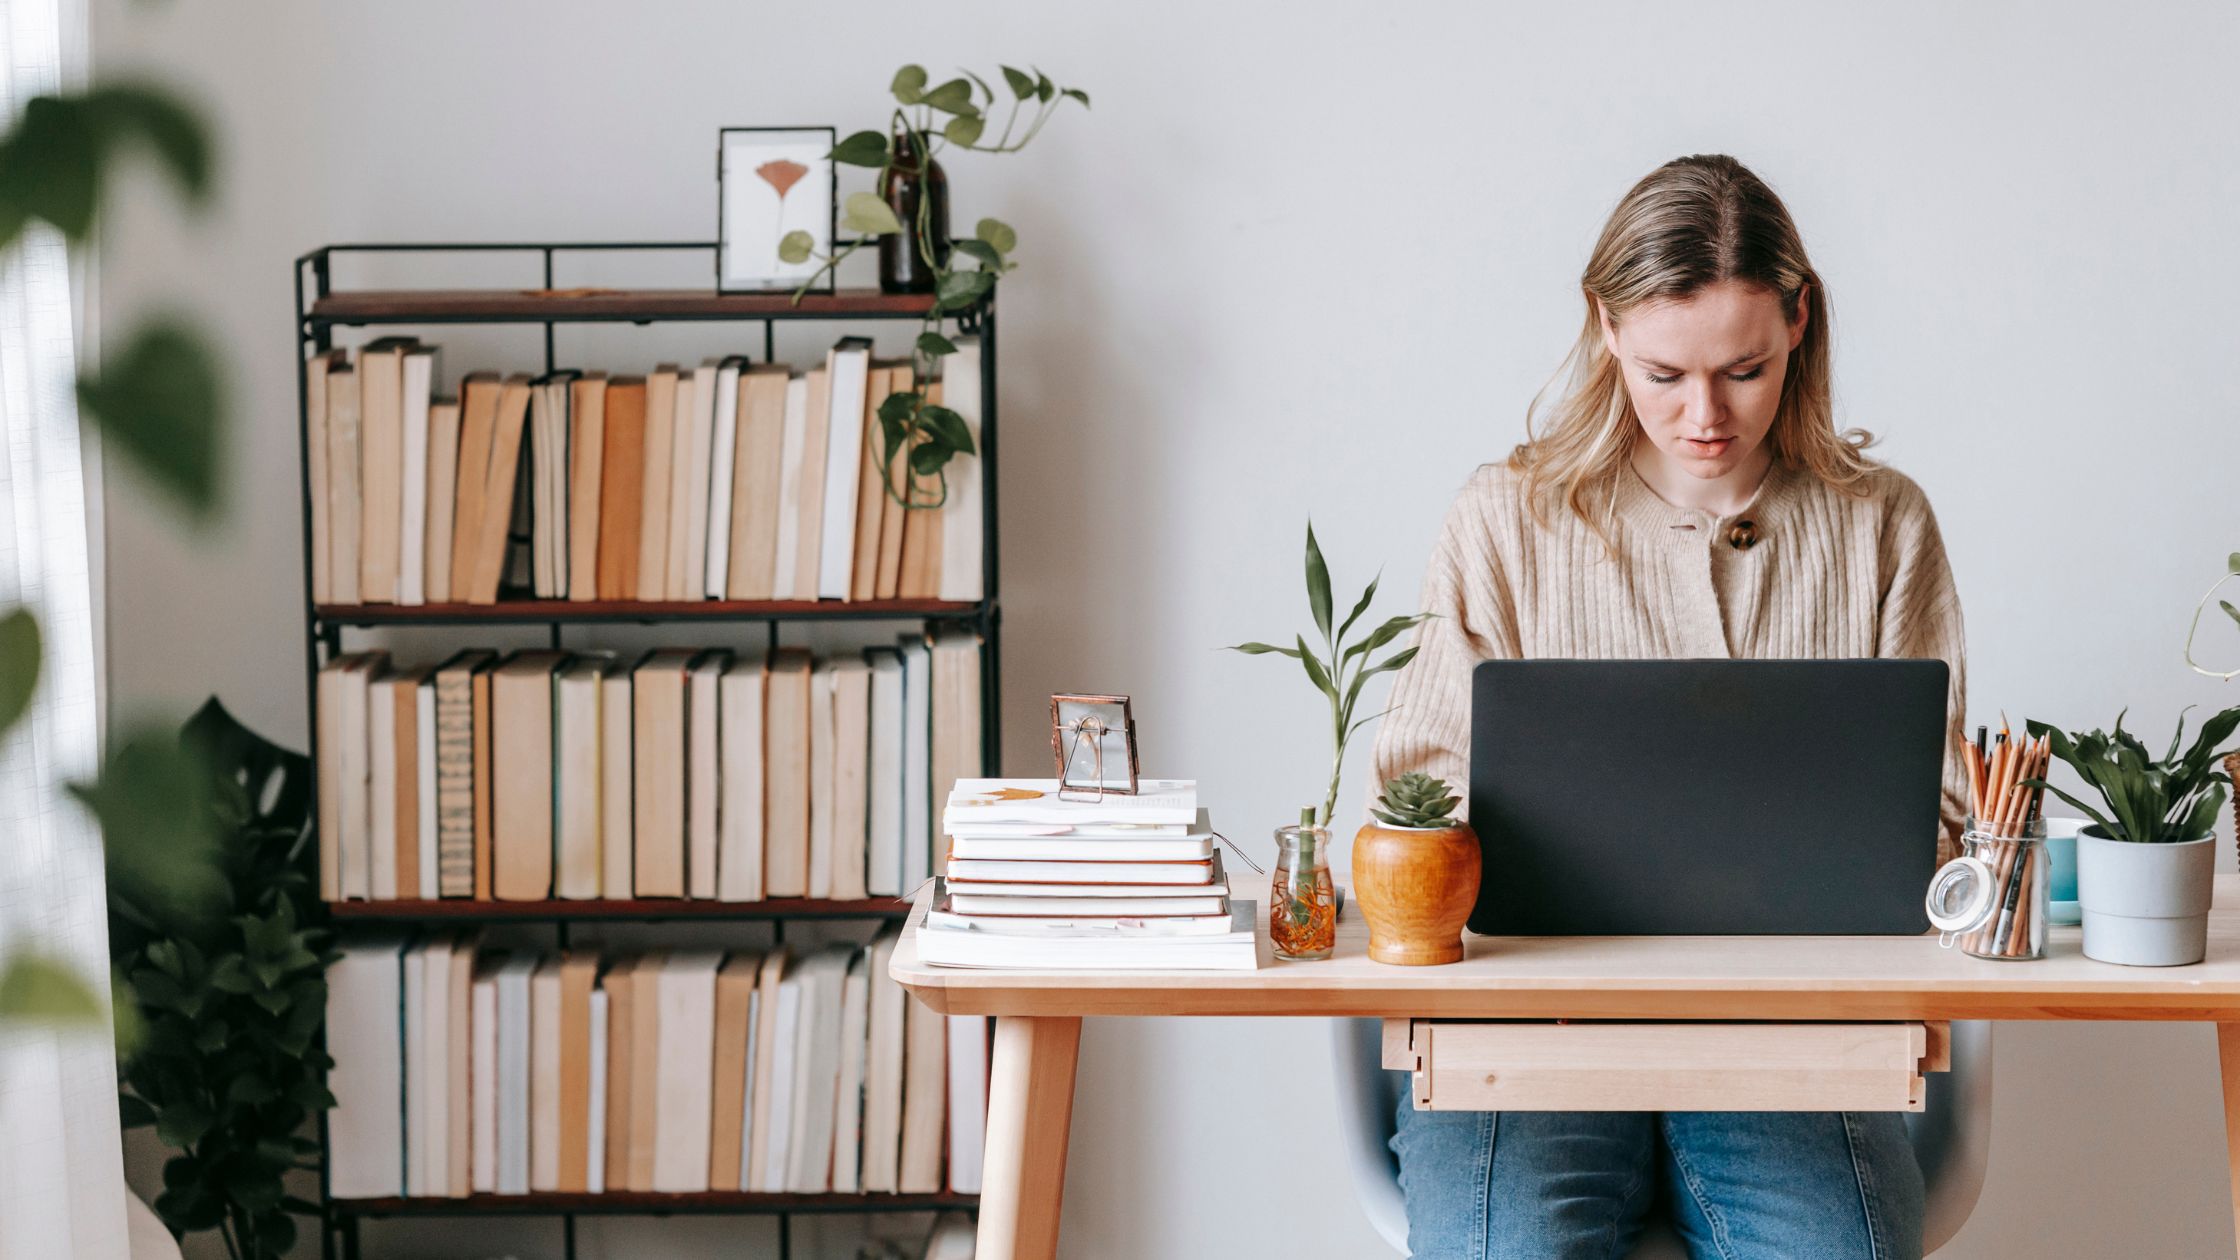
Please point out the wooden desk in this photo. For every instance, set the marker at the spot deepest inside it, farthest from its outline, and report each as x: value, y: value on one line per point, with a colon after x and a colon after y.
x: 1038, y: 1013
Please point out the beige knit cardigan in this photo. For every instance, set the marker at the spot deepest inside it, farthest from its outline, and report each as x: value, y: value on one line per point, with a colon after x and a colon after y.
x: 1831, y: 574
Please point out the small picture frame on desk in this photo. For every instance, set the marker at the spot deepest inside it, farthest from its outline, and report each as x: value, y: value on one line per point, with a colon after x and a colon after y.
x: 771, y: 181
x: 1093, y: 739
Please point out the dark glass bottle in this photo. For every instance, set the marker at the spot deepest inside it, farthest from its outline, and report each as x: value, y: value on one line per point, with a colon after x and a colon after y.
x: 902, y: 268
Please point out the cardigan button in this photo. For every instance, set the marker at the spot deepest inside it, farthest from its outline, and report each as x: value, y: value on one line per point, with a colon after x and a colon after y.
x: 1742, y: 535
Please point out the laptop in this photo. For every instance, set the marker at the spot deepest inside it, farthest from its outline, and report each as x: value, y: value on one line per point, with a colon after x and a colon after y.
x: 1706, y: 797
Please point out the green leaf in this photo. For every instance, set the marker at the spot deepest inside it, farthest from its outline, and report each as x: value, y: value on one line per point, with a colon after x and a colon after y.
x: 1318, y: 585
x: 152, y: 801
x: 1359, y: 608
x: 277, y: 1232
x: 157, y: 400
x: 44, y: 990
x: 909, y: 85
x: 2232, y: 563
x: 1262, y: 649
x: 1316, y: 674
x: 125, y: 114
x: 1392, y: 662
x: 796, y: 246
x: 862, y: 148
x: 1077, y: 94
x: 953, y: 97
x: 997, y: 234
x: 961, y: 290
x: 866, y: 214
x: 1392, y: 628
x: 927, y: 458
x: 133, y: 1111
x: 183, y: 1123
x: 19, y: 665
x: 2229, y: 610
x: 1044, y: 89
x: 982, y: 251
x: 948, y: 428
x: 934, y: 345
x: 987, y: 94
x: 964, y: 130
x: 54, y: 162
x: 1022, y: 87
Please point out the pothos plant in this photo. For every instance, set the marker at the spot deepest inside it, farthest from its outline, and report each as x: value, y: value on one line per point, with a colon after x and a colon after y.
x: 932, y: 120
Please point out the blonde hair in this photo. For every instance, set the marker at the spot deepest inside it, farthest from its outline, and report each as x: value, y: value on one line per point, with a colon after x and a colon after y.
x: 1691, y: 223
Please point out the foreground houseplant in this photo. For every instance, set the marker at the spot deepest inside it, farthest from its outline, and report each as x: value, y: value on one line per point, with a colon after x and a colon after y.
x: 1415, y: 873
x: 2144, y: 866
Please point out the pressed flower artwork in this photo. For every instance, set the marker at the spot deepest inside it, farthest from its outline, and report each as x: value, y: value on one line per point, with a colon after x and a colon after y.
x: 774, y: 182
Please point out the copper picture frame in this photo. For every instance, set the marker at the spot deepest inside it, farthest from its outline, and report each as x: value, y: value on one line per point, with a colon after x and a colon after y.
x: 1093, y: 740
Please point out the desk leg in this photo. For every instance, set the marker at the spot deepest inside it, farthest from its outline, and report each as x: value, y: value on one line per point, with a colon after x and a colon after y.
x: 1030, y: 1111
x: 2228, y: 1061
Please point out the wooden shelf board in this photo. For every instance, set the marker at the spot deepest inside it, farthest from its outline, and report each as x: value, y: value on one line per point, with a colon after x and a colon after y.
x: 561, y: 610
x: 647, y: 909
x: 445, y: 306
x: 641, y: 1203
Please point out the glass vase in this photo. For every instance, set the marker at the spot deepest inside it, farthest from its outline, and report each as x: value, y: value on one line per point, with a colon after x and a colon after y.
x: 902, y: 266
x: 1302, y: 904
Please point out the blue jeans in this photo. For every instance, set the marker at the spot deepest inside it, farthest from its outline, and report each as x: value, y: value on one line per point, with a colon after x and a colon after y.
x: 1575, y: 1185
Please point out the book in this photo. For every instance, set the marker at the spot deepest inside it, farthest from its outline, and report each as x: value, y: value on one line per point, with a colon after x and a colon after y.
x: 514, y: 1067
x: 963, y: 515
x: 621, y: 486
x: 1133, y: 903
x: 587, y: 454
x: 968, y: 1100
x: 427, y: 966
x: 1092, y: 949
x: 404, y: 694
x: 522, y: 772
x: 1080, y: 925
x: 762, y: 1084
x: 882, y: 1084
x: 545, y: 1042
x: 659, y: 470
x: 792, y: 459
x: 715, y: 575
x: 617, y: 770
x: 595, y: 1128
x: 485, y: 785
x: 443, y: 496
x: 816, y: 1059
x: 1062, y: 844
x: 703, y: 775
x: 956, y: 750
x: 851, y: 777
x: 871, y: 494
x: 847, y: 366
x: 355, y: 847
x: 345, y: 481
x: 1210, y: 881
x: 381, y: 466
x: 381, y: 789
x: 786, y: 782
x: 727, y: 1105
x: 424, y: 783
x: 619, y: 985
x: 316, y: 430
x: 550, y: 425
x: 917, y: 767
x: 1070, y: 873
x: 816, y: 426
x: 645, y: 1069
x: 742, y: 696
x: 847, y: 1111
x: 775, y: 1122
x: 417, y: 384
x: 688, y: 490
x: 974, y: 801
x: 658, y: 751
x: 895, y: 520
x: 823, y: 803
x: 883, y: 789
x: 365, y: 987
x: 455, y: 772
x: 757, y: 464
x: 687, y: 1071
x: 482, y: 1087
x: 326, y: 695
x: 578, y: 746
x: 925, y: 1083
x: 478, y: 425
x: 458, y: 1041
x: 579, y: 973
x: 498, y: 491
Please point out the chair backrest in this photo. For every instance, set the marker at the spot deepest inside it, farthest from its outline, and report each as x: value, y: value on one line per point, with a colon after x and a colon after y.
x: 1951, y: 1134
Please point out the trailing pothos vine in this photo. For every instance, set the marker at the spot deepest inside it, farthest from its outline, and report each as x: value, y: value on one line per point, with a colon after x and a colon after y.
x: 932, y: 120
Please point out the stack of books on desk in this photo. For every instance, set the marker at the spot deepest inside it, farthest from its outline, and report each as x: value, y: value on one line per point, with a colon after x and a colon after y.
x: 1125, y: 882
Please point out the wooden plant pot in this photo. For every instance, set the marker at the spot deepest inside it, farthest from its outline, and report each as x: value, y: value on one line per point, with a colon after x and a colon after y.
x: 1416, y: 887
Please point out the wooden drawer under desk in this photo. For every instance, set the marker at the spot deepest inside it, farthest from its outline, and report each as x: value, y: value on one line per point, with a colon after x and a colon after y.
x: 1460, y: 1065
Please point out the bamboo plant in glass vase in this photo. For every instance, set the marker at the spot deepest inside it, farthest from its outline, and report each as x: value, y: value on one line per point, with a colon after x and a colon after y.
x: 1302, y: 909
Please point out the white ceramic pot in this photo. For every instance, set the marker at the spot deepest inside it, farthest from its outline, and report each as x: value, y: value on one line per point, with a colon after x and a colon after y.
x: 2145, y: 905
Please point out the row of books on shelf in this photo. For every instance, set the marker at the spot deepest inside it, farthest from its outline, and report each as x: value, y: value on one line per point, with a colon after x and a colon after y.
x: 730, y: 480
x: 468, y: 1070
x: 1035, y: 879
x: 698, y: 773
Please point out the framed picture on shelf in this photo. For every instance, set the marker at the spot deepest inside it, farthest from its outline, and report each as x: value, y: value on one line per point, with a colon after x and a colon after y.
x: 771, y: 181
x: 1094, y: 740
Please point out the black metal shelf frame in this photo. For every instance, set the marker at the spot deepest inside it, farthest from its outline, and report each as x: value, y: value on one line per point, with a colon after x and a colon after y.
x: 312, y: 279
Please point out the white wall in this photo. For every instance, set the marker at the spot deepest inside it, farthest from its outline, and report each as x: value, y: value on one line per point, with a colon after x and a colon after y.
x: 1314, y: 258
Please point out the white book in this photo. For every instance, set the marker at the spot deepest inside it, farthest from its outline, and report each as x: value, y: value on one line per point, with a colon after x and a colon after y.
x: 443, y: 498
x: 722, y: 452
x: 616, y: 854
x: 1081, y: 849
x: 1191, y: 876
x: 356, y: 844
x: 424, y: 746
x: 704, y: 779
x: 821, y: 801
x: 365, y: 990
x: 851, y: 776
x: 577, y: 738
x: 595, y: 1164
x: 315, y: 454
x: 847, y: 1113
x: 482, y: 1074
x: 544, y: 1077
x: 746, y: 1096
x: 412, y: 1010
x: 968, y: 1100
x: 777, y: 1128
x: 792, y: 443
x: 978, y: 801
x: 381, y: 754
x: 739, y: 847
x: 1079, y: 949
x: 882, y: 1076
x: 847, y: 368
x: 687, y: 997
x: 883, y: 792
x: 963, y: 513
x: 917, y: 765
x: 816, y: 1070
x: 514, y: 1067
x: 412, y: 543
x: 1083, y: 926
x: 688, y: 485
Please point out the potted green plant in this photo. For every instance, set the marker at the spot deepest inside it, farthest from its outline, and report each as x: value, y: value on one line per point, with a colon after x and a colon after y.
x: 1415, y: 873
x: 1302, y: 914
x: 2145, y: 863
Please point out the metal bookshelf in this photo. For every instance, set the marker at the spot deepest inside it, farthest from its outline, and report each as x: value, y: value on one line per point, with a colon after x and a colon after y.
x: 320, y: 310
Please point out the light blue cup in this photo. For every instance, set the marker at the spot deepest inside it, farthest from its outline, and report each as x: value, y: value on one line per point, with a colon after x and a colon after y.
x: 2061, y: 850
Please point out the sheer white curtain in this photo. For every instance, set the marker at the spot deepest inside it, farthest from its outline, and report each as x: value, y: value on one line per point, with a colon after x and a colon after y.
x: 61, y: 1171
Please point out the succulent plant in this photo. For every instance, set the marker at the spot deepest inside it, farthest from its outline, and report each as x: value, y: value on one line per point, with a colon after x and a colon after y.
x: 1415, y: 800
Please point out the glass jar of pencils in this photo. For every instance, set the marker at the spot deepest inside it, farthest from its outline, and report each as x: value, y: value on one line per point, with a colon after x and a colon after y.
x: 1993, y: 901
x: 1302, y: 904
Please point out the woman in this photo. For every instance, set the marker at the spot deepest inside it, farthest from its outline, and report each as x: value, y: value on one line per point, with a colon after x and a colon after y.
x: 1687, y: 495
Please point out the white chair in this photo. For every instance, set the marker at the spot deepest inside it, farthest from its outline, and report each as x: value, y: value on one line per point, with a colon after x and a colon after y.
x: 1951, y: 1134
